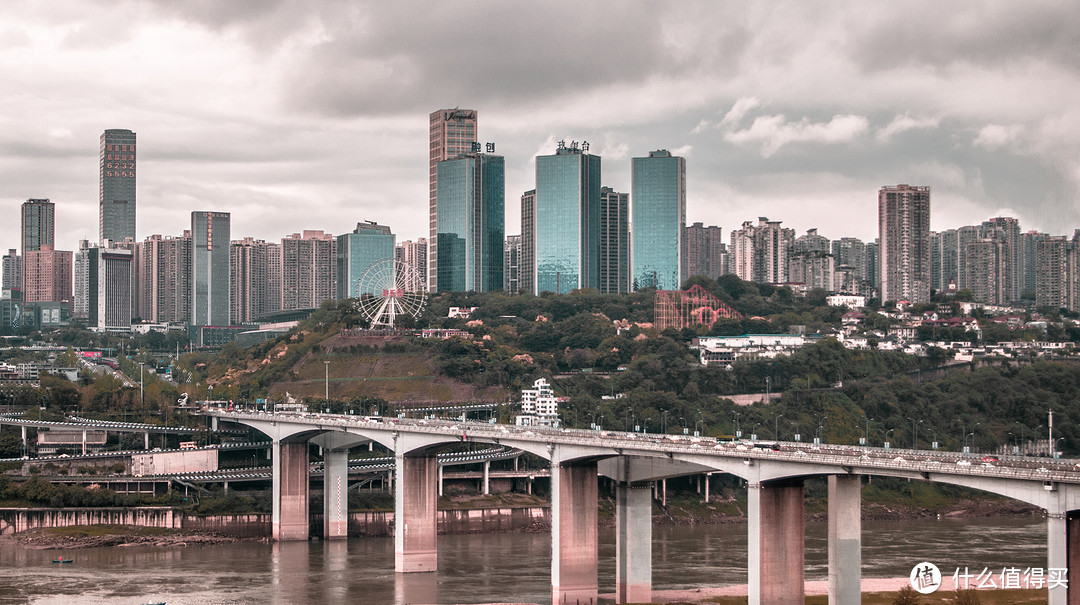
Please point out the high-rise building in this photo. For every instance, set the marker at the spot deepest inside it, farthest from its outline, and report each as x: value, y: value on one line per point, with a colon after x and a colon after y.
x: 761, y: 252
x: 470, y: 232
x: 165, y: 267
x: 512, y: 264
x: 986, y: 269
x: 704, y: 250
x: 357, y: 252
x: 1006, y: 229
x: 874, y: 284
x: 850, y: 252
x: 47, y: 275
x: 255, y: 266
x: 944, y: 259
x: 109, y: 278
x: 451, y: 132
x: 811, y: 242
x: 964, y: 236
x: 528, y: 241
x: 210, y: 252
x: 812, y: 269
x: 415, y: 255
x: 116, y: 185
x: 567, y: 219
x: 1052, y: 275
x: 12, y: 270
x: 307, y: 270
x: 614, y: 241
x: 80, y: 304
x: 136, y: 272
x: 1029, y: 261
x: 904, y: 240
x: 37, y: 229
x: 658, y: 249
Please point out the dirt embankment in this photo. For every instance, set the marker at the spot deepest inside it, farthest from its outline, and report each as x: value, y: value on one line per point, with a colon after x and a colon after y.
x: 120, y: 535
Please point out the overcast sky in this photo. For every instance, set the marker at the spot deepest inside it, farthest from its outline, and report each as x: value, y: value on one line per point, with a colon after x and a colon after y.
x: 314, y: 115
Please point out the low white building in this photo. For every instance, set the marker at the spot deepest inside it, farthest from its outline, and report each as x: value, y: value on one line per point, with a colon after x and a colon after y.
x: 539, y: 406
x: 846, y: 300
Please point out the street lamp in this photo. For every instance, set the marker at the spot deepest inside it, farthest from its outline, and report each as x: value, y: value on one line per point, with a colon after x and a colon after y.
x: 888, y: 433
x: 915, y: 433
x: 1054, y: 453
x: 326, y: 365
x: 753, y: 431
x: 738, y: 429
x: 776, y: 427
x: 972, y: 435
x: 663, y: 421
x: 866, y: 439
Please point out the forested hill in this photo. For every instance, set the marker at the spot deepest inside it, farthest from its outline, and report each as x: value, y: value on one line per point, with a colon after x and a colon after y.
x: 636, y: 376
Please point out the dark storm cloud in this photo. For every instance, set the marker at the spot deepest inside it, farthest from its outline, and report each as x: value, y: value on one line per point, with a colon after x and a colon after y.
x: 385, y: 59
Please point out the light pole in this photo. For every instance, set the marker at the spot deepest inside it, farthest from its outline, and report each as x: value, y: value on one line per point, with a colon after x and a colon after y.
x: 866, y: 439
x: 1054, y: 453
x: 915, y: 433
x: 972, y: 435
x: 663, y: 421
x: 326, y: 365
x: 776, y: 427
x: 753, y: 431
x: 141, y: 401
x: 888, y: 433
x: 738, y: 429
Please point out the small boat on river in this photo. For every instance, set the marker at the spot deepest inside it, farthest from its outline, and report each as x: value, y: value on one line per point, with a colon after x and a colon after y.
x: 63, y: 560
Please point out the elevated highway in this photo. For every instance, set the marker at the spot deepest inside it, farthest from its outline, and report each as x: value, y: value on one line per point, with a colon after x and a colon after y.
x: 774, y: 480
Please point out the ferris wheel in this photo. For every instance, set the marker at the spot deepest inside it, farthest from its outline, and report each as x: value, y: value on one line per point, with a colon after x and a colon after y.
x: 388, y: 290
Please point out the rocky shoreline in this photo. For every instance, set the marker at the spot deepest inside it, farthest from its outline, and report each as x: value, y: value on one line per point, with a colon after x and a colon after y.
x: 117, y: 536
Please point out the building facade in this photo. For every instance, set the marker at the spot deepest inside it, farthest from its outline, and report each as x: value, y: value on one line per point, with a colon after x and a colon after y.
x: 415, y: 255
x: 307, y: 269
x: 705, y: 251
x: 470, y: 232
x: 47, y: 275
x: 109, y: 275
x: 761, y: 252
x: 658, y: 249
x: 165, y: 266
x: 255, y: 266
x: 210, y: 280
x: 904, y: 240
x: 512, y: 264
x: 528, y: 241
x: 451, y: 132
x: 357, y: 252
x: 116, y: 185
x: 614, y: 241
x: 12, y: 269
x: 567, y: 220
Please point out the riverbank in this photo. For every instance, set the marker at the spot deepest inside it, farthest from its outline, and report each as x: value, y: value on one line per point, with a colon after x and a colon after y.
x: 91, y: 536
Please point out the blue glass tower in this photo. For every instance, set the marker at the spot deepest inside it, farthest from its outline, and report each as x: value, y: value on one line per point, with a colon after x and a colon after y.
x: 658, y: 245
x: 567, y: 220
x: 471, y: 208
x: 356, y: 252
x: 211, y: 252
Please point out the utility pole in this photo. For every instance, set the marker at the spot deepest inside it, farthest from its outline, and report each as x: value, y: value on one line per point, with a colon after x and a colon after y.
x: 327, y: 366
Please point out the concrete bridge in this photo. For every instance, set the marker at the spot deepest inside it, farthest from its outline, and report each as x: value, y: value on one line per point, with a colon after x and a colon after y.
x: 634, y: 461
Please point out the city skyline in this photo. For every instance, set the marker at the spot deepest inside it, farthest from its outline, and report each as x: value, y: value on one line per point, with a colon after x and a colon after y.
x: 988, y: 125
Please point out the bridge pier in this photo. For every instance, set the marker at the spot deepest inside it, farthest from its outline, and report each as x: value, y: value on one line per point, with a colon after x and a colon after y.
x: 290, y: 487
x: 146, y: 439
x: 574, y: 536
x: 415, y: 499
x: 335, y: 494
x: 775, y: 542
x: 84, y: 442
x: 845, y: 539
x: 633, y: 543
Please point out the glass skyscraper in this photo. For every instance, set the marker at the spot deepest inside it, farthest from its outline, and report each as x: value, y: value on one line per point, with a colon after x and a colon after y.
x: 116, y: 185
x: 451, y: 132
x: 567, y: 220
x: 210, y: 255
x: 470, y: 230
x: 356, y: 252
x: 658, y: 197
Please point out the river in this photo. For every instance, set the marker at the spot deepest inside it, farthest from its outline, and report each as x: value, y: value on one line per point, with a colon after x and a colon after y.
x: 475, y: 568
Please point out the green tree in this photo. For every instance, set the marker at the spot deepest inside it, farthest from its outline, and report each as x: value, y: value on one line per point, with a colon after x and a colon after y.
x: 906, y: 596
